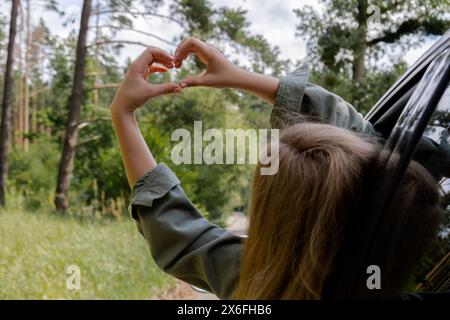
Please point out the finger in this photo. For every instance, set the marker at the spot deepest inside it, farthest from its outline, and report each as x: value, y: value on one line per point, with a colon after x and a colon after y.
x: 183, y: 56
x: 161, y: 55
x: 191, y: 45
x: 179, y: 63
x: 187, y: 45
x: 154, y: 68
x: 179, y: 46
x: 164, y: 88
x: 168, y: 65
x: 196, y: 81
x: 153, y: 54
x: 144, y: 59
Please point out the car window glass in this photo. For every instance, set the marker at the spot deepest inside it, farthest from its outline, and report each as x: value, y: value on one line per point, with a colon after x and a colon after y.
x: 426, y: 120
x: 438, y: 131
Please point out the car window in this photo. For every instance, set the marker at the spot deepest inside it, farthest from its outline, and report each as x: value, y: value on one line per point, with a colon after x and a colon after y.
x: 438, y: 131
x: 424, y: 120
x: 422, y: 133
x: 408, y: 80
x: 439, y: 124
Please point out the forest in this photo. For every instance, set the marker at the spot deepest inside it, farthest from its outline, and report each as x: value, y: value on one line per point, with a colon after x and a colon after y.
x: 63, y: 187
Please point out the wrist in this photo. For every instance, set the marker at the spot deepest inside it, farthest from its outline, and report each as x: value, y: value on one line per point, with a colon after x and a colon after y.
x: 238, y: 78
x: 247, y: 80
x: 264, y: 86
x: 120, y: 111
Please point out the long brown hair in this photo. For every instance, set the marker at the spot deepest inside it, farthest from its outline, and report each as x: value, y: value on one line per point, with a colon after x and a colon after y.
x: 303, y: 218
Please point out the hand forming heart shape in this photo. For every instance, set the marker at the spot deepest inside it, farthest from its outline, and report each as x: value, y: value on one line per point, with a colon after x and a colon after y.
x: 135, y: 90
x: 220, y: 72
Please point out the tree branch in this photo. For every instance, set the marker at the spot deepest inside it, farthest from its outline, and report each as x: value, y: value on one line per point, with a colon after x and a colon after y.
x: 411, y: 26
x: 104, y: 86
x: 83, y: 123
x: 143, y: 14
x: 103, y: 42
x: 139, y: 31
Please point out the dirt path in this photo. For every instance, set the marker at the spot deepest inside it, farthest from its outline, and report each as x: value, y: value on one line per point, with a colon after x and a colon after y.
x: 237, y: 223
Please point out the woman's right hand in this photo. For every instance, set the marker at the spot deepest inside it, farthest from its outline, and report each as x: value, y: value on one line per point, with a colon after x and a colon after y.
x: 220, y: 72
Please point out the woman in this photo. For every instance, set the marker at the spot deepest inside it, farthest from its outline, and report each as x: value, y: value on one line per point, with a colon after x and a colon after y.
x: 307, y: 222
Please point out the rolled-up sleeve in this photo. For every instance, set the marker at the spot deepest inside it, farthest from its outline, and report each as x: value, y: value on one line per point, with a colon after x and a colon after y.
x: 181, y: 241
x: 298, y: 101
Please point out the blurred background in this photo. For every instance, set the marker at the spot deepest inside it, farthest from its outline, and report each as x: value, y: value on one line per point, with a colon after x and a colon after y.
x: 63, y: 189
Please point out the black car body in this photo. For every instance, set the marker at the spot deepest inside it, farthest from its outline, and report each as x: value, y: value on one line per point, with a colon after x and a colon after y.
x: 414, y: 118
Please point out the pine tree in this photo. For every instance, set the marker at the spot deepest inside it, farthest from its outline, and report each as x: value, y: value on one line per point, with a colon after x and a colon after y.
x: 7, y: 102
x: 71, y: 134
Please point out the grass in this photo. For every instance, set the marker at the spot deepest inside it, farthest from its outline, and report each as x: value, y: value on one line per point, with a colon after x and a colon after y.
x: 36, y: 249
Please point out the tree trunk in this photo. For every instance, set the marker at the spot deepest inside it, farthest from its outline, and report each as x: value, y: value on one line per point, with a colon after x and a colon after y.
x: 97, y: 52
x: 26, y: 82
x: 7, y: 103
x: 19, y: 93
x: 42, y: 128
x: 71, y: 135
x: 359, y: 67
x: 34, y: 109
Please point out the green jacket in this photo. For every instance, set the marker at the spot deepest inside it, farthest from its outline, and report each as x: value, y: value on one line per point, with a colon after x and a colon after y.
x: 189, y: 247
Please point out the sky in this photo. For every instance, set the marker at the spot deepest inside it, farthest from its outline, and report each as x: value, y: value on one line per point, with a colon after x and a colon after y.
x: 273, y: 19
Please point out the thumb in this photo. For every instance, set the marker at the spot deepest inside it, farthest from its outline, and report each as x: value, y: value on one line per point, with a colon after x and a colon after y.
x: 195, y: 81
x: 164, y: 88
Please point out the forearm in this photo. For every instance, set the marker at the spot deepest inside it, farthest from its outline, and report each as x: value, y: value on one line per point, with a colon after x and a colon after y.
x: 263, y: 86
x: 136, y: 155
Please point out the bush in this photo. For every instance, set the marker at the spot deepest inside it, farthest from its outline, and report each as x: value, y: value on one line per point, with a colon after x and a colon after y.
x: 32, y: 173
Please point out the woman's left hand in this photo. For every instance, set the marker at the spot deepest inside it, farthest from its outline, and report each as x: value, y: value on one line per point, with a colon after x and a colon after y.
x: 135, y: 90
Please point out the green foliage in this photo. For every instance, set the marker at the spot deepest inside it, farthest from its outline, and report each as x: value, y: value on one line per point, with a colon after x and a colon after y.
x: 349, y: 40
x: 345, y: 27
x: 196, y: 14
x: 33, y: 173
x: 61, y: 65
x: 362, y: 95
